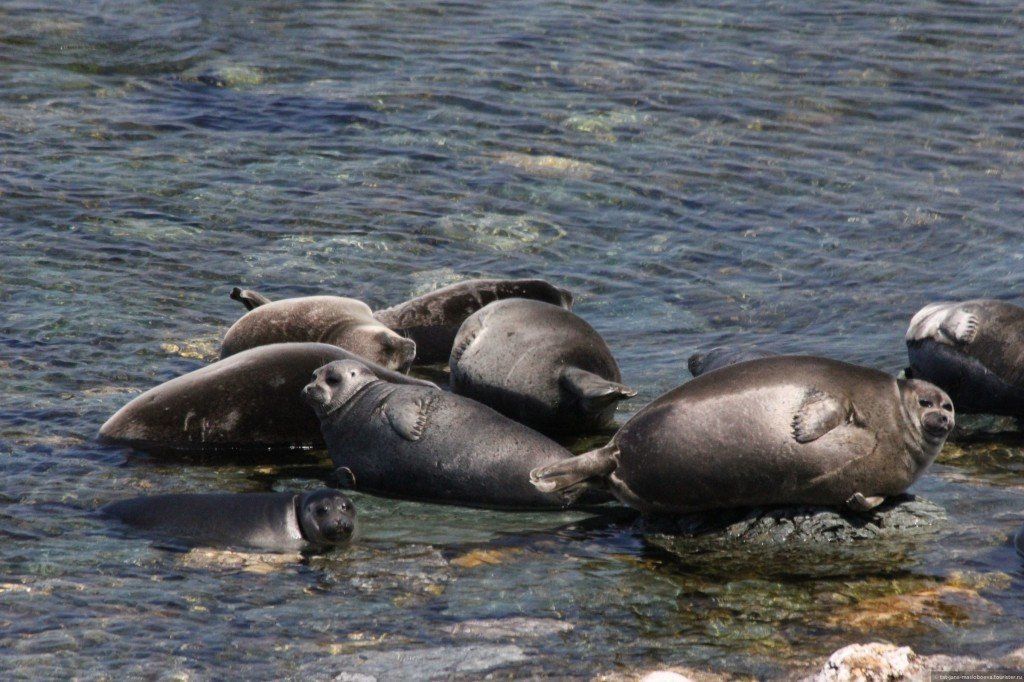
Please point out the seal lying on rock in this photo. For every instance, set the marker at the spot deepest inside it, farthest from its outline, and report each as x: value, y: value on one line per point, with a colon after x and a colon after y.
x: 778, y: 431
x: 343, y: 322
x: 433, y: 320
x: 422, y: 443
x: 281, y: 522
x: 973, y: 350
x: 723, y: 356
x: 538, y: 364
x: 251, y: 399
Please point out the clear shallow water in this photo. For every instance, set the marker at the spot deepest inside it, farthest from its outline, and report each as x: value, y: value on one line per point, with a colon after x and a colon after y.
x: 697, y: 174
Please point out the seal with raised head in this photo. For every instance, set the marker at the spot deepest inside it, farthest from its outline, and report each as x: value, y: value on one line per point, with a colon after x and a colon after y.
x: 433, y: 320
x: 723, y: 356
x: 778, y: 431
x: 423, y: 443
x: 251, y: 399
x: 974, y: 350
x: 539, y: 364
x: 281, y: 522
x: 343, y: 322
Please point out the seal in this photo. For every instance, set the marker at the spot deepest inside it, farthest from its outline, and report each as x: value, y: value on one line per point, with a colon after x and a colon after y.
x: 281, y: 522
x: 433, y: 320
x: 723, y: 356
x: 421, y: 443
x: 974, y: 350
x: 539, y: 364
x: 251, y: 399
x: 343, y: 322
x: 787, y: 430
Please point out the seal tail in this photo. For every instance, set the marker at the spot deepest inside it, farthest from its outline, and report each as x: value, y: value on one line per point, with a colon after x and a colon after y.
x: 570, y: 478
x: 250, y: 299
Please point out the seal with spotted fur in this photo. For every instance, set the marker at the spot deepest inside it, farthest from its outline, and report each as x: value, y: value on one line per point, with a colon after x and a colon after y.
x: 423, y: 443
x: 776, y: 431
x: 974, y: 350
x: 539, y: 364
x: 343, y: 322
x: 280, y: 522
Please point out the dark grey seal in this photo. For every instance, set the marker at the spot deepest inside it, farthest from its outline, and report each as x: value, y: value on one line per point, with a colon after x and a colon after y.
x: 433, y: 320
x: 280, y: 522
x: 539, y: 364
x: 249, y: 400
x: 343, y: 322
x: 778, y: 431
x: 974, y: 351
x: 723, y: 356
x: 422, y: 443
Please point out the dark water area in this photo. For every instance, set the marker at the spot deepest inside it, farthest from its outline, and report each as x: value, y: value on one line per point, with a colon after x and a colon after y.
x: 797, y: 175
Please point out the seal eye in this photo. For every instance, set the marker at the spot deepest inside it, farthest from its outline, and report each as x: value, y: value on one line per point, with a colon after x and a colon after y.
x: 925, y: 403
x: 320, y: 511
x: 333, y: 380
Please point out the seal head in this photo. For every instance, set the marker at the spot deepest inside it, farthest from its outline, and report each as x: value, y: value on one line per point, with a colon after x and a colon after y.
x: 929, y: 412
x: 335, y: 384
x: 326, y: 517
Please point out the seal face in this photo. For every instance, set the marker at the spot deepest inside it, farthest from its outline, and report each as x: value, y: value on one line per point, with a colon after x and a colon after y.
x: 281, y: 522
x: 251, y: 399
x: 974, y: 350
x: 422, y: 443
x: 539, y: 364
x: 343, y: 322
x: 433, y: 320
x: 814, y: 431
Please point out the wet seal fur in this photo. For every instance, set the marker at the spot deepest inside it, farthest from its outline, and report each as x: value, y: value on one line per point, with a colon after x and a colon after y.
x: 280, y: 522
x: 433, y: 320
x: 974, y: 350
x: 421, y: 443
x: 251, y: 399
x: 343, y: 322
x: 784, y: 430
x: 539, y: 364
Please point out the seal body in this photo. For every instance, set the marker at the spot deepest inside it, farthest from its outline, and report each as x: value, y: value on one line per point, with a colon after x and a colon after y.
x: 433, y: 320
x: 422, y: 443
x: 777, y: 431
x: 539, y: 364
x: 723, y: 356
x: 251, y: 399
x: 266, y: 521
x: 974, y: 350
x: 343, y: 322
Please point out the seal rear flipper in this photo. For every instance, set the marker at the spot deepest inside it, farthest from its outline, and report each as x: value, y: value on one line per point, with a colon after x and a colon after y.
x: 410, y: 417
x: 858, y: 502
x: 571, y: 477
x: 250, y: 299
x: 818, y: 414
x: 960, y: 326
x: 594, y: 392
x: 723, y: 356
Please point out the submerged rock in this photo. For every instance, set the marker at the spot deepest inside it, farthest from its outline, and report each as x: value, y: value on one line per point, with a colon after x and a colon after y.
x: 510, y: 628
x: 972, y: 427
x: 902, y: 516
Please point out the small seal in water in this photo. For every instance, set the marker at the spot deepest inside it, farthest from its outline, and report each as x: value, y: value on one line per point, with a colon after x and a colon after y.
x: 777, y: 431
x: 281, y: 522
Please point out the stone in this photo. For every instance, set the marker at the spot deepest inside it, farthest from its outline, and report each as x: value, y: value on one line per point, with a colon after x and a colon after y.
x: 873, y: 662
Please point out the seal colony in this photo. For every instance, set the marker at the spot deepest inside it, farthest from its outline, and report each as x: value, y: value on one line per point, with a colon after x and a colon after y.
x: 751, y: 430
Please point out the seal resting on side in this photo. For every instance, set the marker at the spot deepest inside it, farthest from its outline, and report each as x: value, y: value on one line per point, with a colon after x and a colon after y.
x: 251, y: 399
x: 422, y: 443
x: 973, y: 350
x: 280, y: 522
x: 433, y: 320
x: 539, y: 364
x: 343, y: 322
x: 778, y: 431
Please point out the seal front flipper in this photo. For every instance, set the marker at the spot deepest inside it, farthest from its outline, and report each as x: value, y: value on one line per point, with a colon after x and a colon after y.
x: 594, y: 392
x: 250, y: 299
x: 960, y: 326
x: 858, y: 502
x: 410, y: 417
x: 818, y: 414
x: 571, y: 477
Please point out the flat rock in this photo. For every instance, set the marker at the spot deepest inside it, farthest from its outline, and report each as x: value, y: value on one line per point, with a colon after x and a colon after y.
x: 899, y: 517
x: 426, y: 663
x: 509, y: 628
